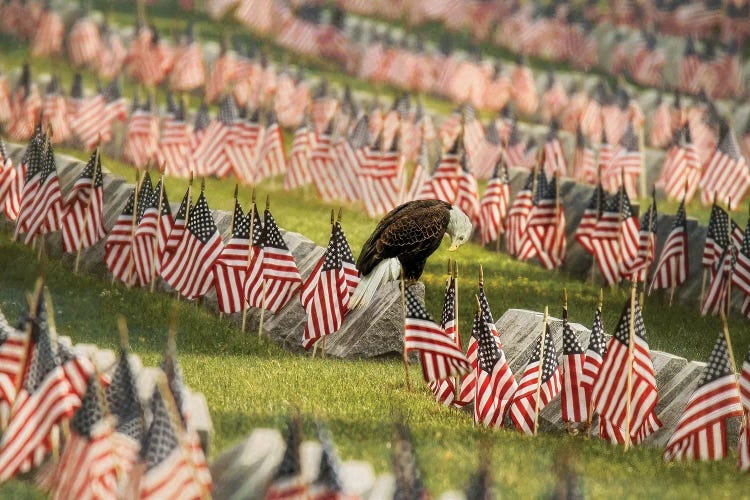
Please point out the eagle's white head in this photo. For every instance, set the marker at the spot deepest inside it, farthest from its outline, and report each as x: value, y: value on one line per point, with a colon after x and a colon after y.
x: 459, y: 228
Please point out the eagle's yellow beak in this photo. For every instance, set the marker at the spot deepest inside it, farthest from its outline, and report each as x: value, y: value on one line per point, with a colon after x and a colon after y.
x: 453, y: 248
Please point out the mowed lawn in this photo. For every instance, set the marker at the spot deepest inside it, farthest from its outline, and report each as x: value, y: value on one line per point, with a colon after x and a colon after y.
x: 250, y: 382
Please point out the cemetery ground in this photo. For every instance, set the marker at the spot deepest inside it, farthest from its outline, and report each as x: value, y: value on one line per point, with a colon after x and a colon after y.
x: 250, y: 382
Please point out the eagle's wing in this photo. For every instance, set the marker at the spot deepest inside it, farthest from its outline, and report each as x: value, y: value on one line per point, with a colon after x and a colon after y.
x: 411, y: 228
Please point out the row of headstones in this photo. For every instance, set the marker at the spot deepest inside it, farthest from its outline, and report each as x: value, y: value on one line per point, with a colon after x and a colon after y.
x: 382, y: 319
x: 105, y: 361
x: 676, y: 377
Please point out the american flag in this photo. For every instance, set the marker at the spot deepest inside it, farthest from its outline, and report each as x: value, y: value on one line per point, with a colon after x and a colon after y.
x: 408, y: 478
x: 118, y: 254
x: 682, y: 174
x: 142, y: 136
x: 169, y: 469
x: 518, y: 216
x: 701, y: 431
x: 124, y: 404
x: 554, y: 156
x: 145, y: 237
x: 280, y: 276
x: 661, y: 124
x: 444, y: 181
x: 584, y: 160
x: 189, y: 71
x: 440, y: 356
x: 640, y: 266
x: 246, y: 136
x: 690, y: 66
x: 536, y: 388
x: 189, y: 269
x: 327, y: 485
x: 11, y: 184
x: 445, y: 390
x: 717, y: 295
x: 493, y: 207
x: 545, y: 228
x: 347, y: 161
x: 672, y: 269
x: 489, y: 152
x: 32, y: 165
x: 116, y: 108
x: 253, y: 285
x: 271, y: 158
x: 88, y: 465
x: 230, y: 269
x: 473, y: 130
x: 325, y: 294
x: 47, y: 396
x: 211, y: 157
x: 626, y: 165
x: 575, y: 406
x: 382, y: 178
x: 744, y: 444
x: 717, y: 237
x: 84, y: 42
x: 287, y: 482
x: 725, y: 175
x: 594, y: 356
x: 174, y: 144
x: 741, y: 270
x: 589, y: 219
x: 54, y: 112
x: 467, y: 193
x: 298, y: 174
x: 322, y: 167
x: 611, y: 389
x: 83, y: 219
x: 629, y: 231
x: 46, y: 209
x: 514, y: 152
x: 172, y: 234
x: 12, y: 352
x: 88, y: 119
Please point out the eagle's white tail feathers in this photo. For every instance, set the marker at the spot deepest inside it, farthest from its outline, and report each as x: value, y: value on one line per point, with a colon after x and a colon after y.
x: 387, y: 270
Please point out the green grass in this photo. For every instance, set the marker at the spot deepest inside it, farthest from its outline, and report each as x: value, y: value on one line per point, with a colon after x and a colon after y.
x: 250, y: 382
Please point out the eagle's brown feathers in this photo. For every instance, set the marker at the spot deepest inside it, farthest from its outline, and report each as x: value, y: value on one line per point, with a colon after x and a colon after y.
x: 411, y: 232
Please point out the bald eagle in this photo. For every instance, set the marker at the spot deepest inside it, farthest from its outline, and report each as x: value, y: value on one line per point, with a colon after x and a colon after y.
x: 405, y: 238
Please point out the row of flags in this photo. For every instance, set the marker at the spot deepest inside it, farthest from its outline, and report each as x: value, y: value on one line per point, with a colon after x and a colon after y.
x: 256, y: 79
x: 87, y: 434
x: 613, y: 379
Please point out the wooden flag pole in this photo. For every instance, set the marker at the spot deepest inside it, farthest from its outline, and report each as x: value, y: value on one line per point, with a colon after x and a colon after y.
x: 631, y: 342
x: 543, y: 339
x: 88, y: 208
x: 568, y: 426
x: 249, y: 259
x: 265, y: 285
x: 406, y: 353
x: 591, y: 401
